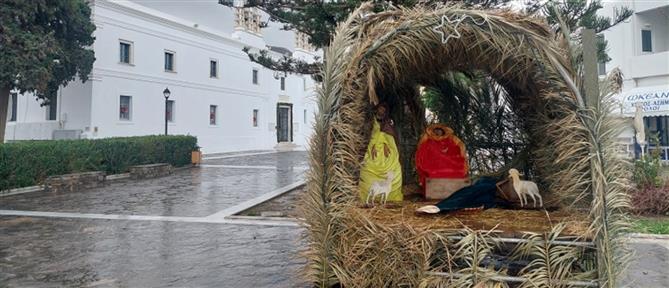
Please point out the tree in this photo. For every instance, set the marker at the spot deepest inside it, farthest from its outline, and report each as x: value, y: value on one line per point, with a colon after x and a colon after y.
x: 43, y: 44
x: 574, y: 15
x: 478, y: 110
x: 318, y: 19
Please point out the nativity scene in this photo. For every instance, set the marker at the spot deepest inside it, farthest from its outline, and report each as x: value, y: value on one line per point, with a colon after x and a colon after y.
x: 512, y: 166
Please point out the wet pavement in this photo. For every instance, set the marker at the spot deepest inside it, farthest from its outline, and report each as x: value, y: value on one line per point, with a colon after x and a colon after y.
x: 66, y: 252
x: 194, y: 192
x: 89, y: 252
x: 283, y: 161
x: 47, y: 252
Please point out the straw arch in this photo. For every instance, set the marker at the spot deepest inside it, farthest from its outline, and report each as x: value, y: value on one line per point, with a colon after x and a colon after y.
x: 372, y: 53
x: 398, y: 49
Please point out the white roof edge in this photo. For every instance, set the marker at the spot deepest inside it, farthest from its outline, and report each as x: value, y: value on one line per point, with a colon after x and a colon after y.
x: 129, y: 7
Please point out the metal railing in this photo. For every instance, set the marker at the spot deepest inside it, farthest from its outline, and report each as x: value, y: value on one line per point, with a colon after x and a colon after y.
x: 664, y: 152
x: 627, y: 151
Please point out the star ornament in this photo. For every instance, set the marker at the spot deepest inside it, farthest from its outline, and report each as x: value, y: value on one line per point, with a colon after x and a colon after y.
x: 447, y: 23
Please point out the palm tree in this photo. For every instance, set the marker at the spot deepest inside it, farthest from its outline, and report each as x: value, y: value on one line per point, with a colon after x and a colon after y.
x: 478, y: 109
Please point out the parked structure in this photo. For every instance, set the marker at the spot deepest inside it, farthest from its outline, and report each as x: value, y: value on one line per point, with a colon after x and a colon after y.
x: 640, y: 48
x: 195, y: 50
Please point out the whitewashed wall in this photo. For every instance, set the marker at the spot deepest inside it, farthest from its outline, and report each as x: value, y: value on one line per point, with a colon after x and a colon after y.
x: 93, y: 107
x: 639, y: 69
x: 30, y: 121
x: 75, y: 105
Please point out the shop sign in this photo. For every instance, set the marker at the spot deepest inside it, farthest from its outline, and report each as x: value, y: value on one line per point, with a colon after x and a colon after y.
x: 653, y: 100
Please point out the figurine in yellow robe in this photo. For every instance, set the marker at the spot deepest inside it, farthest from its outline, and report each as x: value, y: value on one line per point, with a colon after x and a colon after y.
x: 381, y: 157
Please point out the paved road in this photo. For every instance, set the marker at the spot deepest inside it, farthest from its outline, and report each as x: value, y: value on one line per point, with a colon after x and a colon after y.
x: 650, y: 264
x: 176, y: 252
x: 111, y: 243
x: 48, y: 252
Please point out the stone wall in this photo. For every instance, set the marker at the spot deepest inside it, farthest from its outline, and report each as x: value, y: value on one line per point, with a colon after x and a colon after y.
x: 150, y: 171
x: 74, y: 182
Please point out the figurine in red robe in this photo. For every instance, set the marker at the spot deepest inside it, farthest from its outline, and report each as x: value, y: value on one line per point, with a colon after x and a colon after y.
x: 440, y: 154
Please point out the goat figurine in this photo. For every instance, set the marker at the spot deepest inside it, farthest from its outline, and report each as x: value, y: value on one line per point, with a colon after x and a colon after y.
x: 525, y: 188
x: 382, y: 188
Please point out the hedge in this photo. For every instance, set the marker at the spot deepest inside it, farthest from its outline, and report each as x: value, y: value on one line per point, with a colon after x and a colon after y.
x: 27, y: 163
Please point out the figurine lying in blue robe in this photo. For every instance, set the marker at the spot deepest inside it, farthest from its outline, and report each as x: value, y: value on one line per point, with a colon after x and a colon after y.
x: 479, y: 195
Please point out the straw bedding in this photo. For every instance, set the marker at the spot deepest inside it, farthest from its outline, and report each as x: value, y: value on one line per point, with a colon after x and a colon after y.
x: 382, y: 249
x: 508, y: 223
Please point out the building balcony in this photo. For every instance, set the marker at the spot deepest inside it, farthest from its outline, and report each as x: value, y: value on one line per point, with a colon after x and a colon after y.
x: 643, y: 6
x: 647, y: 65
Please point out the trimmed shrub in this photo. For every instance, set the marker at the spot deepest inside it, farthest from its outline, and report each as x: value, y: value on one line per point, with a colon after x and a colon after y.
x: 27, y: 163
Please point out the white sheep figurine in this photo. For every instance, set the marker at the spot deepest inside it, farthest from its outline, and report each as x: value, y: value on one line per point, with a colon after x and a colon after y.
x: 382, y: 188
x: 525, y: 188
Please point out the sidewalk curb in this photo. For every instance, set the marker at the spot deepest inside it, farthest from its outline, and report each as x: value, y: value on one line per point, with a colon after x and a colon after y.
x: 218, y: 157
x: 17, y: 191
x: 261, y: 218
x: 232, y: 211
x: 236, y: 153
x: 647, y: 236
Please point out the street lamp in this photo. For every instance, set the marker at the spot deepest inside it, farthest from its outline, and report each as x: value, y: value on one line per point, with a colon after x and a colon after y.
x: 166, y: 93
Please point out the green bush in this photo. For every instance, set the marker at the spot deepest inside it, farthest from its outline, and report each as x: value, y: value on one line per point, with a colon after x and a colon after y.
x: 647, y: 172
x: 27, y: 163
x: 647, y: 168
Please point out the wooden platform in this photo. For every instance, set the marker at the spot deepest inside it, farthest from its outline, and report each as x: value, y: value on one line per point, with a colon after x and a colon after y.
x: 509, y: 223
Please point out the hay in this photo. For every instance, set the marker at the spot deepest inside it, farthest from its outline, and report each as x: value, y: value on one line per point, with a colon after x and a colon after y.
x: 377, y: 249
x: 507, y: 223
x: 571, y: 148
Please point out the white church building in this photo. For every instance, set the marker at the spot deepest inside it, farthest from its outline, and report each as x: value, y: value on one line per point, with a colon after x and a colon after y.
x: 193, y: 49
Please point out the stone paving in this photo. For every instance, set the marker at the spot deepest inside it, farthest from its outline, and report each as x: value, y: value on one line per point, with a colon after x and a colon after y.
x: 187, y: 192
x: 47, y: 252
x: 65, y: 252
x: 86, y: 251
x: 282, y: 161
x: 650, y: 264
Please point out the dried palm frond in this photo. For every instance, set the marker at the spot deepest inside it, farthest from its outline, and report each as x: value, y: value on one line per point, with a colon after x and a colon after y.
x: 382, y: 56
x: 326, y: 190
x: 551, y: 264
x: 610, y: 176
x: 473, y: 249
x: 374, y: 255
